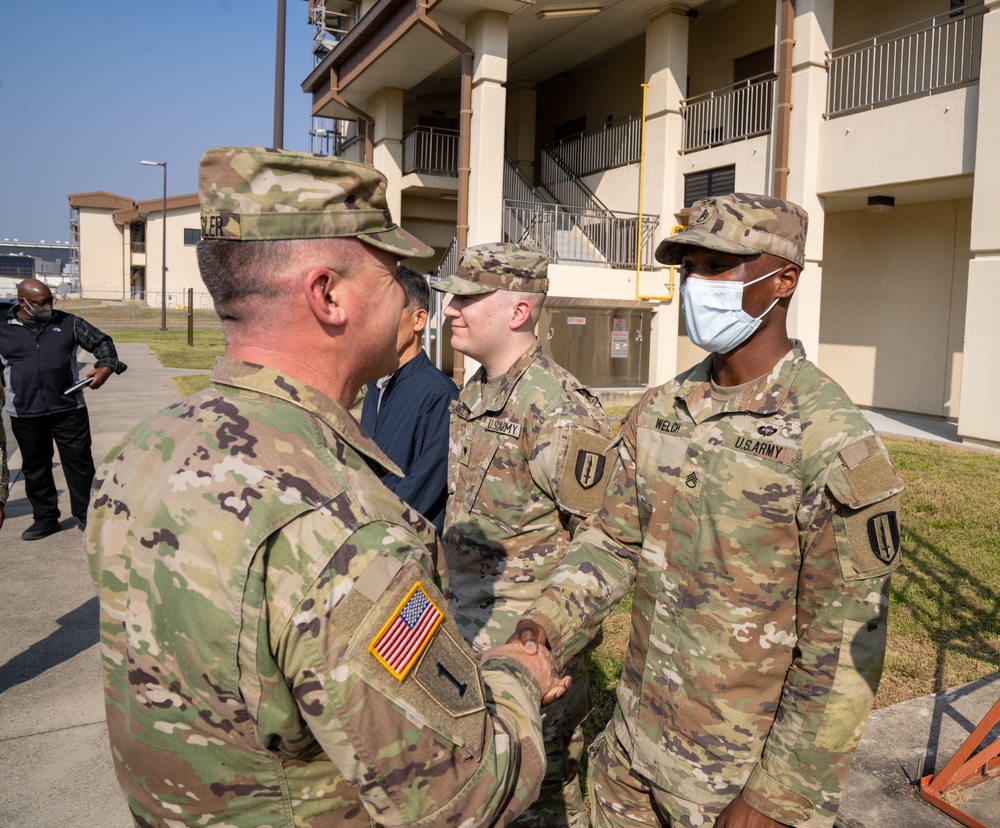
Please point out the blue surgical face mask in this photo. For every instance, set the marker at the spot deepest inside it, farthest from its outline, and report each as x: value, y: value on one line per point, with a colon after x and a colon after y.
x: 714, y: 315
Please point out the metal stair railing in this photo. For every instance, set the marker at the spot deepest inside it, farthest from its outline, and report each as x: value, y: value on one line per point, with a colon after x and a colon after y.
x: 525, y: 226
x: 604, y: 148
x: 448, y: 263
x: 566, y: 187
x: 567, y: 233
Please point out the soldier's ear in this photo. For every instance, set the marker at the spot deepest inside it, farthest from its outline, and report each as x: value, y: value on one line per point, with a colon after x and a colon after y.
x: 321, y: 287
x: 788, y: 281
x: 521, y: 314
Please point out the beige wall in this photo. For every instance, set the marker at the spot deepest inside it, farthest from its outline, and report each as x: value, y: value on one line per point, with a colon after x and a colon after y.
x: 753, y: 159
x: 893, y: 305
x: 719, y: 39
x: 618, y: 188
x: 930, y: 137
x: 182, y: 262
x: 608, y: 86
x: 104, y: 263
x: 856, y: 20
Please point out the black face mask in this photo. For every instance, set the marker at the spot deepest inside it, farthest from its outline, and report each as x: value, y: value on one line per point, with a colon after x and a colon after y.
x: 43, y: 313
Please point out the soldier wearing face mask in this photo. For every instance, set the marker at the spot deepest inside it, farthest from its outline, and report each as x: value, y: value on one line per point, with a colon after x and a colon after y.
x: 756, y: 511
x: 38, y: 350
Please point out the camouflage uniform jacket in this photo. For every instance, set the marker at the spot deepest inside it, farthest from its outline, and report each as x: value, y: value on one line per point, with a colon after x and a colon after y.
x: 250, y: 568
x: 526, y: 467
x: 761, y: 532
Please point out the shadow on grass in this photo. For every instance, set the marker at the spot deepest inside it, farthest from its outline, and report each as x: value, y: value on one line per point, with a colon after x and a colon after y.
x: 956, y: 608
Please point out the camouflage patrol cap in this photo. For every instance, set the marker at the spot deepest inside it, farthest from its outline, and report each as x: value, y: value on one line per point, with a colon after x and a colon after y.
x: 489, y: 267
x: 253, y: 194
x: 744, y: 224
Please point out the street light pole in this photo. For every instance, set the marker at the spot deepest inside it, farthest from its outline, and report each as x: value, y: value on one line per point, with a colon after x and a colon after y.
x: 279, y: 78
x: 163, y: 288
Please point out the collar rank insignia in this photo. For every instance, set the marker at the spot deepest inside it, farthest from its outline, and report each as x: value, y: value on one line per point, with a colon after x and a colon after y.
x: 589, y: 468
x: 407, y: 632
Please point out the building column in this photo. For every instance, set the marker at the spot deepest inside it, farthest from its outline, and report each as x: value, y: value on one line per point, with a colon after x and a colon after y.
x: 666, y: 76
x: 977, y: 418
x: 486, y: 35
x: 386, y: 107
x: 813, y: 35
x: 520, y: 134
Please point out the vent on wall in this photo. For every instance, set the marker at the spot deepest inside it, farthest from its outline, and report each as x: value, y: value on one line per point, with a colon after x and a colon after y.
x: 707, y: 183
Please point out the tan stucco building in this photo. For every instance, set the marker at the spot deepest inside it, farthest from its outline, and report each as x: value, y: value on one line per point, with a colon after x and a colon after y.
x: 506, y: 119
x: 121, y: 248
x: 502, y: 119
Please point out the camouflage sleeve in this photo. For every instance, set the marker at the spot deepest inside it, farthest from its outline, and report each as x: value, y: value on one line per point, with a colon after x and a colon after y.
x: 569, y: 464
x: 600, y: 564
x: 395, y: 697
x: 850, y: 548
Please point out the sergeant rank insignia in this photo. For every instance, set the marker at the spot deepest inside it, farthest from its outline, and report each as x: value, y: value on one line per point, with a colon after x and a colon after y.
x: 407, y: 632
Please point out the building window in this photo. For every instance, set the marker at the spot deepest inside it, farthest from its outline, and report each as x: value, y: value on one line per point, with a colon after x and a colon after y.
x: 191, y: 236
x: 707, y: 183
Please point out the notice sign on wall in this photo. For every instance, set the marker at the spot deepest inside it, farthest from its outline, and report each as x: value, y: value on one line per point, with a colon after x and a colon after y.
x: 619, y: 339
x: 576, y: 320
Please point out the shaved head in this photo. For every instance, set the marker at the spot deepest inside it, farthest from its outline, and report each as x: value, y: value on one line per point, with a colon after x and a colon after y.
x: 34, y: 291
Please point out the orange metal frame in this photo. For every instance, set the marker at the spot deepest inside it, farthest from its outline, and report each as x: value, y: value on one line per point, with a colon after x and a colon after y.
x: 963, y: 771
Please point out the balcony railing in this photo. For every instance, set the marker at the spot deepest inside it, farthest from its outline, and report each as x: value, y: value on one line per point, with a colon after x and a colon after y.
x: 430, y: 151
x: 743, y: 110
x: 603, y: 148
x: 930, y: 55
x: 574, y: 234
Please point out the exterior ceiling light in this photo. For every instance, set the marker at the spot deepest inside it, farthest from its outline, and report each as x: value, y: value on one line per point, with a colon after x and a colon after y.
x: 880, y: 203
x: 569, y: 11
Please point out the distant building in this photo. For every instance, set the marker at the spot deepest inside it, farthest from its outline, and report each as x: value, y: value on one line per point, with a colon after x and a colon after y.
x: 121, y: 248
x: 55, y: 263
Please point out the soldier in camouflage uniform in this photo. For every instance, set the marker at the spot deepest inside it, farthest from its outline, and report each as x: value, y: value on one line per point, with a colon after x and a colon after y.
x: 527, y: 466
x: 757, y: 512
x: 4, y: 470
x: 276, y: 646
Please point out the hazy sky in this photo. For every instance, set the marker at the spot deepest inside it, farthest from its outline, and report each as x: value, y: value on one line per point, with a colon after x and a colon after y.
x: 90, y: 89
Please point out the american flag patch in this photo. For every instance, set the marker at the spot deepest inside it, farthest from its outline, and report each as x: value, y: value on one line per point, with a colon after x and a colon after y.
x: 407, y: 632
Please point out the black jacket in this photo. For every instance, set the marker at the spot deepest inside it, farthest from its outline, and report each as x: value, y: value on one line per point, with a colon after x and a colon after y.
x: 411, y: 427
x: 39, y: 361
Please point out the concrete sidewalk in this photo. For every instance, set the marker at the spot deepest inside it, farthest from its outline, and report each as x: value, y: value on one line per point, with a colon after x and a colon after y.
x: 55, y: 762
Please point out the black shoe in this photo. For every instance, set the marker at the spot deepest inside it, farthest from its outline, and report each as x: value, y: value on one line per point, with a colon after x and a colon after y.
x: 40, y: 529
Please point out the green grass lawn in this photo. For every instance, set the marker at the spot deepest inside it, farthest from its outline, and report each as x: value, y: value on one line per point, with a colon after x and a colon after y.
x: 172, y: 350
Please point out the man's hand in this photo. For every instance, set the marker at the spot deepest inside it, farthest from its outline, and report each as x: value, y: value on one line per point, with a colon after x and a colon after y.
x: 739, y: 814
x: 100, y: 376
x: 528, y: 631
x: 541, y: 664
